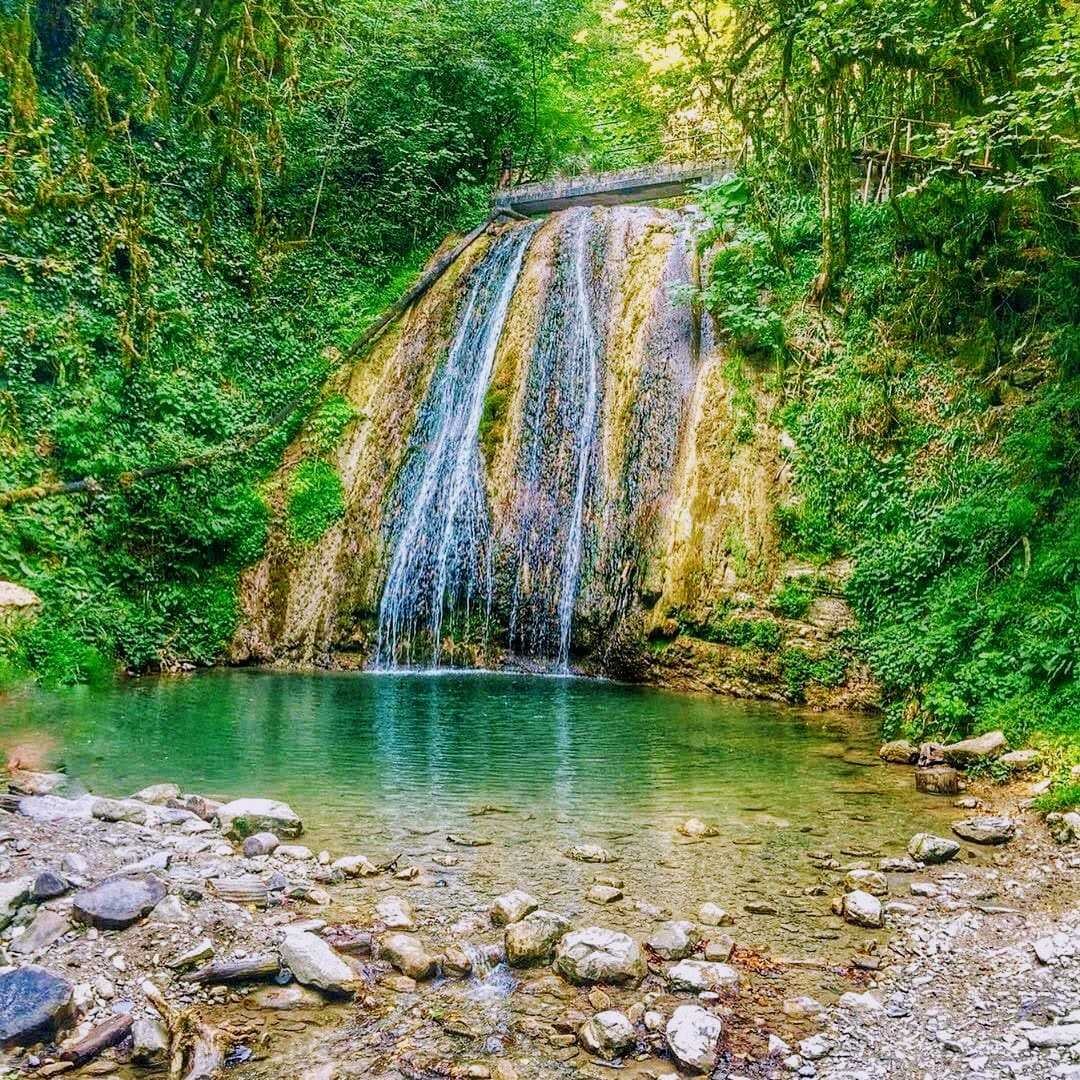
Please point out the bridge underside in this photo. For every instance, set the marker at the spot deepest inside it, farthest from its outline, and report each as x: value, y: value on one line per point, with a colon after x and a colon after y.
x: 648, y: 184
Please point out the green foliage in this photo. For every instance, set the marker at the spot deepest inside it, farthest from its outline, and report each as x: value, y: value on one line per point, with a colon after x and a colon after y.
x: 794, y: 597
x: 1060, y: 798
x: 730, y: 629
x: 743, y: 402
x: 799, y: 669
x: 328, y: 423
x: 316, y: 500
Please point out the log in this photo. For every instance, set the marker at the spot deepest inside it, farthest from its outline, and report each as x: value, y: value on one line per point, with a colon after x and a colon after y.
x: 938, y: 780
x: 107, y: 1034
x: 224, y: 971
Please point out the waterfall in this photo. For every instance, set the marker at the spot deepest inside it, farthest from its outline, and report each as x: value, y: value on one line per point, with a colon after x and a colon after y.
x: 441, y: 550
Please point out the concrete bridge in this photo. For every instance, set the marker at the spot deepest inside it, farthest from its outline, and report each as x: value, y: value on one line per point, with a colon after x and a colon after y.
x: 646, y: 184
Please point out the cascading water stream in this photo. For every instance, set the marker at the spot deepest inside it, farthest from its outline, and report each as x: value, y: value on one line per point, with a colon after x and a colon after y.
x: 441, y: 546
x: 585, y: 360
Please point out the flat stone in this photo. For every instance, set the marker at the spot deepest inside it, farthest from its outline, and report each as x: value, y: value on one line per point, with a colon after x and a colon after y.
x: 34, y: 1005
x: 512, y: 907
x: 314, y: 963
x: 53, y: 808
x: 195, y: 826
x: 532, y: 940
x: 170, y: 910
x: 719, y: 948
x: 862, y: 909
x: 286, y: 998
x: 608, y: 1034
x: 674, y: 940
x: 698, y: 975
x: 406, y: 952
x: 47, y: 927
x: 590, y: 853
x: 801, y: 1007
x: 904, y: 864
x: 596, y: 955
x: 199, y: 953
x: 357, y: 866
x: 245, y: 817
x: 1020, y: 760
x: 296, y: 852
x: 985, y: 830
x: 693, y: 1037
x: 980, y: 748
x: 603, y: 894
x: 927, y: 848
x: 118, y: 902
x: 119, y: 810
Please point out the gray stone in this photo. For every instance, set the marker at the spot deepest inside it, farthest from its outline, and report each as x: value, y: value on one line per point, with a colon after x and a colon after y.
x: 457, y: 963
x: 596, y: 955
x: 51, y: 808
x: 816, y: 1047
x: 119, y: 810
x: 406, y: 952
x: 170, y: 910
x: 532, y: 940
x: 692, y: 1037
x: 862, y: 909
x: 149, y: 1042
x: 985, y: 830
x: 34, y: 1005
x: 1020, y: 760
x: 314, y: 963
x: 263, y: 843
x: 698, y: 975
x: 356, y: 866
x: 927, y: 848
x: 118, y: 902
x: 199, y: 953
x: 245, y: 817
x: 719, y: 948
x: 603, y: 894
x: 295, y: 852
x: 48, y: 885
x: 158, y: 794
x: 74, y: 863
x: 674, y: 940
x: 46, y: 928
x: 512, y: 907
x: 608, y: 1034
x: 904, y: 864
x: 971, y: 751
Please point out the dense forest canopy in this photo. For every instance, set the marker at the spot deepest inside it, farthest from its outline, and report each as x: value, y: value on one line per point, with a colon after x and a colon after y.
x: 204, y: 203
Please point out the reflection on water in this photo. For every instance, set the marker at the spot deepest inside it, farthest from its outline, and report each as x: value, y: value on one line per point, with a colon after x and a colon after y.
x: 424, y: 749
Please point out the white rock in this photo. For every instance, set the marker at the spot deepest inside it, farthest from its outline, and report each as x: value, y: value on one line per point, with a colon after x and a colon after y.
x: 816, y: 1047
x: 862, y: 909
x: 692, y: 1036
x: 607, y: 1034
x: 169, y: 910
x: 710, y: 914
x: 703, y: 975
x: 243, y: 817
x: 395, y: 913
x: 1059, y: 1035
x: 314, y: 963
x: 512, y: 907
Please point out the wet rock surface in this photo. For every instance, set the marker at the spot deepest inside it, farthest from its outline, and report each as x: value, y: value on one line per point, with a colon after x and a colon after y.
x: 34, y: 1004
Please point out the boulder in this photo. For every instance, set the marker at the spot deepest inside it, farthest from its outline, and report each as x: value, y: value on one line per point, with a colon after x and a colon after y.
x: 314, y: 963
x: 512, y: 907
x: 1056, y: 1036
x: 927, y: 848
x: 119, y: 810
x: 698, y: 975
x: 242, y: 818
x: 407, y: 954
x: 118, y: 902
x: 533, y: 939
x: 608, y: 1034
x: 395, y: 913
x: 34, y: 1005
x: 937, y: 780
x: 969, y: 752
x: 692, y: 1037
x: 985, y: 830
x: 596, y: 955
x: 872, y: 881
x: 158, y: 794
x: 861, y: 909
x: 149, y: 1042
x: 899, y: 752
x: 52, y: 808
x: 674, y: 940
x: 47, y: 886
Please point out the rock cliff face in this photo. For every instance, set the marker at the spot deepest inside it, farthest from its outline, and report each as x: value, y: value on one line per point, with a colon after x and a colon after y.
x: 550, y: 464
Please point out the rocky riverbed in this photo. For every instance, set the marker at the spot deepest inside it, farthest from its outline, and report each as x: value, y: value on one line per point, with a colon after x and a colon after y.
x: 168, y: 932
